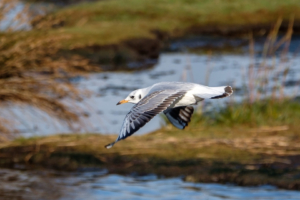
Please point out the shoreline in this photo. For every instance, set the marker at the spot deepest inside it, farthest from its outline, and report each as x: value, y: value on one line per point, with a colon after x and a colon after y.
x: 212, y: 149
x: 246, y: 161
x: 115, y: 33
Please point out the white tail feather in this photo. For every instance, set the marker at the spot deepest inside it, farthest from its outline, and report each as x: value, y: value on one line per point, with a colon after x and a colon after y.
x: 206, y: 92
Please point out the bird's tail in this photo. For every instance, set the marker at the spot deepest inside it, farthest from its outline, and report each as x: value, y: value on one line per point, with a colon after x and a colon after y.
x: 206, y: 92
x: 227, y: 91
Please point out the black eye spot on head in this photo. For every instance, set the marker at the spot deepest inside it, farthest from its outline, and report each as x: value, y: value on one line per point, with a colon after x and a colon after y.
x: 140, y: 96
x: 132, y: 97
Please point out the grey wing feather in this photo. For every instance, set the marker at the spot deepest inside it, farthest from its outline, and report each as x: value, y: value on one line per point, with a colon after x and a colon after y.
x: 145, y: 110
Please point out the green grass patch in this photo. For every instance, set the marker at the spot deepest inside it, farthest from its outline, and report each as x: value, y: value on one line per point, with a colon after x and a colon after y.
x: 109, y: 22
x: 231, y: 137
x: 224, y: 146
x: 260, y: 113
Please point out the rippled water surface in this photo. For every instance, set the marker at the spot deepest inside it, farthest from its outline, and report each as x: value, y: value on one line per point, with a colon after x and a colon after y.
x: 120, y: 187
x: 99, y: 185
x: 100, y: 114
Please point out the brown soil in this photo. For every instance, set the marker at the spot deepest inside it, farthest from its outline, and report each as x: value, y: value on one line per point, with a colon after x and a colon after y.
x: 272, y: 159
x: 242, y: 30
x: 117, y: 56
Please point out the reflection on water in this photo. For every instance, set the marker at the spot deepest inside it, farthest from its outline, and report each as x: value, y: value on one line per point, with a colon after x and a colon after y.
x: 99, y: 185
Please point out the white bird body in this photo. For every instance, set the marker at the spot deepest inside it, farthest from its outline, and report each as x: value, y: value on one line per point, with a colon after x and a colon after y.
x: 194, y: 92
x: 172, y: 98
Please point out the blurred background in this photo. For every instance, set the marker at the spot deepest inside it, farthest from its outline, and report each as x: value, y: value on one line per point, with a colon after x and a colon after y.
x: 65, y: 64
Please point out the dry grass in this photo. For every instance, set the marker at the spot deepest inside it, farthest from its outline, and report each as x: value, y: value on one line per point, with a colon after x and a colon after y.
x: 260, y: 80
x: 42, y: 57
x: 265, y: 101
x: 111, y: 22
x: 233, y: 145
x: 5, y: 8
x: 266, y: 155
x: 265, y: 138
x: 33, y: 73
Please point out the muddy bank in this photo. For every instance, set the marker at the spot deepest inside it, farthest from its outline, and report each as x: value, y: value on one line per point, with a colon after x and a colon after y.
x: 60, y: 2
x: 142, y: 53
x: 123, y: 36
x: 17, y: 184
x: 262, y: 29
x: 244, y: 161
x: 131, y: 54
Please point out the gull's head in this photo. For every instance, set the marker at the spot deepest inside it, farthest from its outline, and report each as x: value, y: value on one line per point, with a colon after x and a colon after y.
x: 134, y: 97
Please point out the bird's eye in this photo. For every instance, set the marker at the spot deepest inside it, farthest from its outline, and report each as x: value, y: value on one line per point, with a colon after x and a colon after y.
x: 132, y: 97
x: 140, y: 96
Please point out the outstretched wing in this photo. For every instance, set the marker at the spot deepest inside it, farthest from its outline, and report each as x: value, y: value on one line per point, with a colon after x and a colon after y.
x: 141, y: 113
x: 180, y: 116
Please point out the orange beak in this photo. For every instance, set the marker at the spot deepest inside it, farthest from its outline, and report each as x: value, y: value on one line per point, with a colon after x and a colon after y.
x: 123, y: 101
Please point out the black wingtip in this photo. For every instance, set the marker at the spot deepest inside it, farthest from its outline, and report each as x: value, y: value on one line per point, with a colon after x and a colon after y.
x: 228, y: 91
x: 108, y: 146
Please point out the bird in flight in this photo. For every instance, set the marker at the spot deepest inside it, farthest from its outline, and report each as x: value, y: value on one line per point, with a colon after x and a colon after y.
x: 174, y: 99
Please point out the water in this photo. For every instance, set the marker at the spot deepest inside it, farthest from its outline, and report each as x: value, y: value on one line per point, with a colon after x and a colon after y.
x: 20, y: 14
x: 99, y: 112
x: 150, y: 187
x: 98, y: 184
x: 109, y: 88
x: 101, y: 115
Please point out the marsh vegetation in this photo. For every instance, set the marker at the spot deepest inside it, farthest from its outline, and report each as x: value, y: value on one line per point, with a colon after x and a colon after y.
x: 252, y: 141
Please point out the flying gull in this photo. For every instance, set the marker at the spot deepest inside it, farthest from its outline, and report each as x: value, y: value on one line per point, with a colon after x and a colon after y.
x: 175, y: 99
